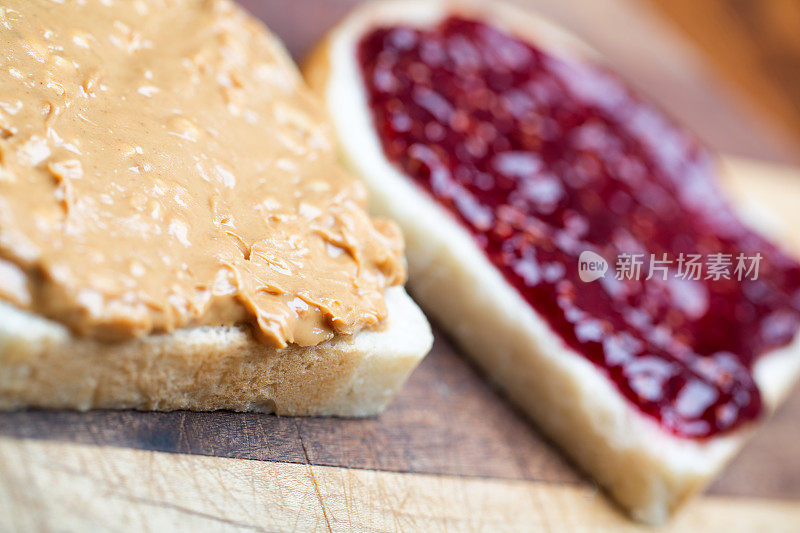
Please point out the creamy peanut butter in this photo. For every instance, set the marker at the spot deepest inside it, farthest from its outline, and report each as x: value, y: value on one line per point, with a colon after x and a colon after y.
x: 162, y: 166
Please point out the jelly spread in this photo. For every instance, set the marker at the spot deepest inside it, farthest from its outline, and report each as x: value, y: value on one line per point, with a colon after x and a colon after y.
x: 162, y: 165
x: 542, y: 158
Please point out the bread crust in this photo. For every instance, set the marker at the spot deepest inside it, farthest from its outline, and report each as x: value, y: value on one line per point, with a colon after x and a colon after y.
x: 210, y: 368
x: 647, y: 470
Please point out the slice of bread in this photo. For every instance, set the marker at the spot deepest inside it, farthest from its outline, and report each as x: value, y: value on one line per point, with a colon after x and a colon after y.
x: 43, y: 364
x: 647, y: 470
x: 209, y: 368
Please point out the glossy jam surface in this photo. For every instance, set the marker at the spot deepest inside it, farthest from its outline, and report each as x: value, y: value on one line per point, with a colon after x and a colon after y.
x: 542, y: 158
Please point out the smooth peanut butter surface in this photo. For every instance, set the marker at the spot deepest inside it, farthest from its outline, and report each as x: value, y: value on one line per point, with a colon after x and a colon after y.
x: 162, y: 166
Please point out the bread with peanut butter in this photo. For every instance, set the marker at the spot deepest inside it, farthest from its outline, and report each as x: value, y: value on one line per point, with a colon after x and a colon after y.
x: 175, y: 230
x: 551, y: 217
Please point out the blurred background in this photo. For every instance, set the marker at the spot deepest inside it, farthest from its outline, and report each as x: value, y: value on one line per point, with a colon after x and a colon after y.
x: 753, y: 44
x: 730, y: 69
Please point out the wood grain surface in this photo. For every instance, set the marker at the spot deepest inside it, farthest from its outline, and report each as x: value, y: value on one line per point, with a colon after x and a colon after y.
x: 450, y: 452
x: 93, y: 488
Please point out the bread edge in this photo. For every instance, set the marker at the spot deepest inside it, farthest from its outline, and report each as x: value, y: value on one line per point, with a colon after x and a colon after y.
x: 210, y: 368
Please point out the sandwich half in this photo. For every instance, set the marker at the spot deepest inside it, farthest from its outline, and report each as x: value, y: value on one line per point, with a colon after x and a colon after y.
x: 175, y: 229
x: 552, y: 217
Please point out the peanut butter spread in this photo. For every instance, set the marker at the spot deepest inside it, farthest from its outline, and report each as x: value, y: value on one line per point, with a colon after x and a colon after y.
x: 162, y: 166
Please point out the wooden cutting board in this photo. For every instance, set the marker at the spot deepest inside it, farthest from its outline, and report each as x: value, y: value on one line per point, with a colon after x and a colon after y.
x: 449, y: 453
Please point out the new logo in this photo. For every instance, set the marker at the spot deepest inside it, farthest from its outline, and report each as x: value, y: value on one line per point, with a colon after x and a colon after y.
x: 591, y: 266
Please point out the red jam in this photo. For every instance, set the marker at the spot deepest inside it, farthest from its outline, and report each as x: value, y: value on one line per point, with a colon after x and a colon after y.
x: 542, y: 158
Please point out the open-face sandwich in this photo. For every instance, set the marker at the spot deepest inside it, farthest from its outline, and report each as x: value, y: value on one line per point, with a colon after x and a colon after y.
x: 570, y: 236
x: 175, y: 230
